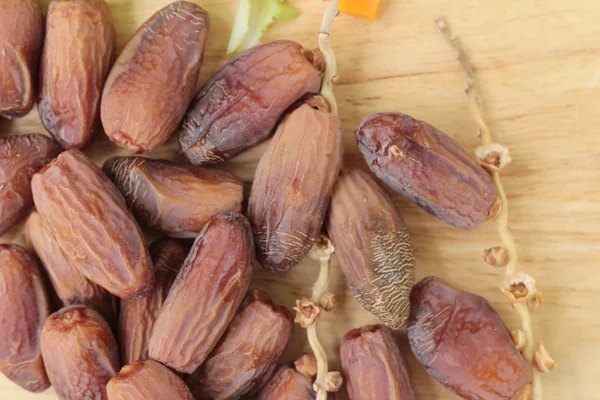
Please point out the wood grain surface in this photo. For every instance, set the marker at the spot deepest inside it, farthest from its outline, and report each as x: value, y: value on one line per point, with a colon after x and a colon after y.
x: 538, y: 63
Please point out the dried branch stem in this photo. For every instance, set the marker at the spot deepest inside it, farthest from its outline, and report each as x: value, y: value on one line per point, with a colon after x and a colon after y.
x: 322, y: 282
x: 330, y: 73
x: 319, y: 289
x: 323, y: 248
x: 502, y: 218
x: 308, y: 312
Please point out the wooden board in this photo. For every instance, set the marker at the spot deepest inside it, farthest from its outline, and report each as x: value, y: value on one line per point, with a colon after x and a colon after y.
x: 539, y: 66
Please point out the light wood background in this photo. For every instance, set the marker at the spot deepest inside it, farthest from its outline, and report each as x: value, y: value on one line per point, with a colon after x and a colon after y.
x: 539, y: 66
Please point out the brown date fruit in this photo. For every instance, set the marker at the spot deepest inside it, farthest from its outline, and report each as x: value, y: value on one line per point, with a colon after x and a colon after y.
x: 20, y: 157
x: 147, y: 380
x: 373, y: 246
x: 374, y: 367
x: 174, y: 199
x: 206, y: 294
x: 239, y: 107
x: 154, y: 78
x: 288, y: 383
x: 22, y: 34
x: 70, y: 286
x: 23, y: 310
x: 80, y: 352
x: 251, y: 348
x: 429, y: 168
x: 462, y: 342
x: 92, y: 225
x: 79, y: 49
x: 293, y: 184
x: 138, y: 315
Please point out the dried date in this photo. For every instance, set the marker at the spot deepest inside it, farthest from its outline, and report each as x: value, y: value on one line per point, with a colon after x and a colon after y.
x: 429, y: 168
x: 290, y: 384
x: 22, y: 313
x: 373, y: 246
x: 147, y: 380
x: 20, y: 157
x: 79, y: 49
x: 174, y: 199
x: 462, y: 342
x: 22, y: 34
x: 206, y: 294
x: 154, y: 78
x: 239, y: 107
x: 137, y: 316
x: 80, y: 352
x: 374, y: 367
x: 92, y: 225
x: 293, y: 184
x: 70, y: 286
x: 248, y: 351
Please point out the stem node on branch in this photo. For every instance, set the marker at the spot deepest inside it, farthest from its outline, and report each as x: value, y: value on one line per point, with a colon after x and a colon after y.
x: 496, y: 256
x: 543, y: 361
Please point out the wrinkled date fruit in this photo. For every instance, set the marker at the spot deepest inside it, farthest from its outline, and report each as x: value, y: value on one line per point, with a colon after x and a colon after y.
x: 79, y: 49
x: 23, y: 310
x: 154, y: 78
x: 138, y: 315
x: 462, y: 342
x: 373, y: 366
x: 147, y: 380
x: 80, y: 352
x: 22, y: 33
x: 92, y: 225
x: 174, y: 199
x: 206, y: 294
x: 20, y: 157
x: 239, y: 107
x: 253, y: 343
x: 292, y: 185
x: 288, y: 383
x: 429, y: 168
x: 70, y: 286
x: 373, y: 246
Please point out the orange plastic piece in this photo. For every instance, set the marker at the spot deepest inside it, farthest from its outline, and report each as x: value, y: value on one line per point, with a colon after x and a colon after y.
x: 368, y: 9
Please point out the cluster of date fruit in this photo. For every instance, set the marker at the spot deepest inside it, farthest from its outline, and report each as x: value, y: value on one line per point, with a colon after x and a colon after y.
x: 186, y: 324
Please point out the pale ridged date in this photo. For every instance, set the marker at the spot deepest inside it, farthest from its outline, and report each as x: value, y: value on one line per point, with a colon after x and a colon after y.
x: 174, y: 199
x: 293, y: 184
x: 251, y: 347
x: 22, y: 35
x: 80, y: 352
x: 138, y: 315
x: 373, y: 246
x: 428, y: 167
x: 70, y: 286
x: 289, y: 384
x: 20, y: 157
x: 239, y: 107
x: 374, y: 367
x: 79, y: 49
x: 206, y: 294
x: 462, y: 342
x: 147, y: 380
x: 92, y: 225
x: 154, y: 78
x: 23, y: 310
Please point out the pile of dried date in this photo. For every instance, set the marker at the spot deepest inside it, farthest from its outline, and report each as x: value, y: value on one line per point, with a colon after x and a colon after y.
x: 175, y: 320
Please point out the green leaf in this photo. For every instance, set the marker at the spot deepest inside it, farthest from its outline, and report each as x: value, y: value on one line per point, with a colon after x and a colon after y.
x: 252, y: 19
